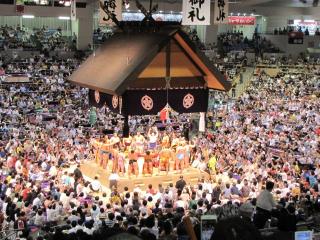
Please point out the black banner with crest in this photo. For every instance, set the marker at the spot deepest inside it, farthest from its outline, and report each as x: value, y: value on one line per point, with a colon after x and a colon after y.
x: 151, y: 102
x: 99, y: 99
x: 143, y: 102
x: 114, y: 103
x: 189, y: 100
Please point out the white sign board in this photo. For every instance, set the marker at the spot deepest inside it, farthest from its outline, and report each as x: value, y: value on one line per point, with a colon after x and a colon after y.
x: 221, y: 11
x: 73, y: 10
x: 196, y: 12
x: 114, y: 6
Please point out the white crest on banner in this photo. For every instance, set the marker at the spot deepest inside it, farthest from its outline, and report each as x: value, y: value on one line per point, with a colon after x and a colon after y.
x: 196, y: 12
x: 221, y: 12
x: 115, y: 101
x: 97, y: 96
x: 147, y: 102
x: 114, y: 6
x: 73, y: 9
x: 188, y: 101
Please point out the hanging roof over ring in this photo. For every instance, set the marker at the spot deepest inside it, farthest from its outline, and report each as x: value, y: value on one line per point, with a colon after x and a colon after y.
x: 147, y: 60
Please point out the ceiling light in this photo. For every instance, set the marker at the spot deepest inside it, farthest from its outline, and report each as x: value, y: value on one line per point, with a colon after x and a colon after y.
x: 64, y: 18
x: 27, y: 16
x: 238, y: 14
x: 67, y: 3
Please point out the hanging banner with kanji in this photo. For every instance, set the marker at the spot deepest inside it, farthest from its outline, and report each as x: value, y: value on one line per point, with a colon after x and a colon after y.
x: 73, y: 10
x: 221, y: 12
x: 115, y: 7
x: 196, y: 12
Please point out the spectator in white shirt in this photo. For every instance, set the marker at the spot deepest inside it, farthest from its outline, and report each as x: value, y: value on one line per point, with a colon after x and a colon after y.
x: 73, y: 227
x: 40, y: 218
x: 18, y: 166
x: 73, y: 216
x: 36, y: 202
x: 265, y: 204
x: 96, y: 185
x: 53, y: 171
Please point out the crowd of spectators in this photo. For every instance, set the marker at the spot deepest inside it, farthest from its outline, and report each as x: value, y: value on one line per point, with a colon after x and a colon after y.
x: 262, y: 157
x: 44, y: 39
x: 283, y: 31
x: 289, y: 29
x: 193, y: 35
x: 288, y: 61
x: 236, y: 42
x: 233, y: 41
x: 101, y: 35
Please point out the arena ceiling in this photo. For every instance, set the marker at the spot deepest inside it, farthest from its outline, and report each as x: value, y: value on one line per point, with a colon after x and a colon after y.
x: 262, y: 3
x: 285, y: 3
x: 259, y: 7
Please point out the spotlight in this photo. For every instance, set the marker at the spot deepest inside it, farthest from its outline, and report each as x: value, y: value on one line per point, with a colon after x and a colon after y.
x: 27, y: 16
x: 67, y: 3
x: 64, y: 18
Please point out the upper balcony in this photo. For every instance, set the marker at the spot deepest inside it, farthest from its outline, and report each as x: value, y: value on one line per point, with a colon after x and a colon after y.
x: 44, y: 8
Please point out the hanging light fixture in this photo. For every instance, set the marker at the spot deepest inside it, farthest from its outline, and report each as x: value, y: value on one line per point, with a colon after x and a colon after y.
x: 126, y: 4
x: 67, y: 3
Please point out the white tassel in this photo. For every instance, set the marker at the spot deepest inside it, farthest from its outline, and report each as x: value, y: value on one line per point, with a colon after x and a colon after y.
x: 202, y: 122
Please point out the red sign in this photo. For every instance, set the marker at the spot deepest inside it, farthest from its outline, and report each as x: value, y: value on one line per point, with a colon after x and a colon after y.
x: 20, y: 8
x: 238, y: 20
x: 306, y: 22
x: 295, y: 38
